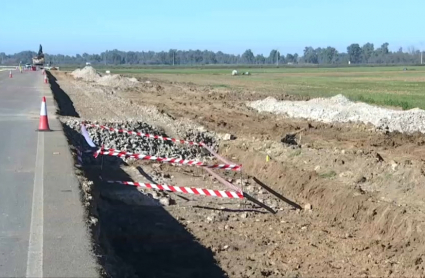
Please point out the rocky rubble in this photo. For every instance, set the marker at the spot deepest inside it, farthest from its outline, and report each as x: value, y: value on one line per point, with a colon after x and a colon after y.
x: 137, y: 144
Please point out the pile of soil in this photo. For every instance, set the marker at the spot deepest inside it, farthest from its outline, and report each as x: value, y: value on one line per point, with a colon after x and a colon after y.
x: 87, y: 73
x: 117, y: 81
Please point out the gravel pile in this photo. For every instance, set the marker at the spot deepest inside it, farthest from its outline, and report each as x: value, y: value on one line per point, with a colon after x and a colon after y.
x: 87, y: 73
x: 117, y: 81
x: 340, y: 109
x: 137, y: 144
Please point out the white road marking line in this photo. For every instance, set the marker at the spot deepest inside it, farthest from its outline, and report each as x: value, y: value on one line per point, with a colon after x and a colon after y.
x: 35, y: 247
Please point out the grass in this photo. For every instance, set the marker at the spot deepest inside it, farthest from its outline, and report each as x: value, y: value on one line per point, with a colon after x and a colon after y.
x: 295, y: 153
x: 328, y: 175
x: 385, y: 86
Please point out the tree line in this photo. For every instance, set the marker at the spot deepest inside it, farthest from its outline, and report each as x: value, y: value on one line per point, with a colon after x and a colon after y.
x: 356, y: 54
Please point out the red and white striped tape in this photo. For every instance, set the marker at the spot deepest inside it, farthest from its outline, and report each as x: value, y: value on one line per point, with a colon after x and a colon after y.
x: 157, y: 137
x: 119, y: 130
x: 113, y: 152
x: 187, y: 190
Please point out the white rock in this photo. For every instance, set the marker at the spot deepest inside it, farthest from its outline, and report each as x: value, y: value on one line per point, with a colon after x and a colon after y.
x: 165, y: 201
x: 228, y: 137
x: 308, y: 206
x: 393, y: 165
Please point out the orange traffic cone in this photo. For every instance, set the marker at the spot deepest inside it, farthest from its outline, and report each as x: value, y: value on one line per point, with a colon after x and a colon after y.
x: 45, y: 79
x: 44, y: 121
x: 10, y: 74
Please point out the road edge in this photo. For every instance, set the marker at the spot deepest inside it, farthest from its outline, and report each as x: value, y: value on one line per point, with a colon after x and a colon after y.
x: 68, y: 249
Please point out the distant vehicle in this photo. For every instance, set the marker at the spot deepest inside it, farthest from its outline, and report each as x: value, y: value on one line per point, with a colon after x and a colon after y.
x: 27, y: 66
x: 39, y: 59
x: 88, y: 63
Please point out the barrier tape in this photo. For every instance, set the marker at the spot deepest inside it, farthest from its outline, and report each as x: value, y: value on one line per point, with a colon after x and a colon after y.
x: 187, y: 190
x: 157, y: 137
x: 113, y: 152
x: 222, y: 159
x: 223, y: 181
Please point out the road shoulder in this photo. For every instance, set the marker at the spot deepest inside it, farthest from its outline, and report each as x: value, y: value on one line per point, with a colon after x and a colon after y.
x: 67, y: 244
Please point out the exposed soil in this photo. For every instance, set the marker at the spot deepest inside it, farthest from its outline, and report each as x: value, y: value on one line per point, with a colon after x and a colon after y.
x: 365, y: 189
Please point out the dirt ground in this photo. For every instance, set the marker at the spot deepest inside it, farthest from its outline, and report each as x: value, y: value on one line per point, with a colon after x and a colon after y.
x: 365, y: 189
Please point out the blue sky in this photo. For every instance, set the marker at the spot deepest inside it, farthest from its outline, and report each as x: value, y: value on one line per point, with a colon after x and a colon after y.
x: 232, y: 26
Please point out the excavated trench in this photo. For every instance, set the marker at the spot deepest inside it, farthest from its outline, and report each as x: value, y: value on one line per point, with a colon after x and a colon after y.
x: 347, y: 228
x: 133, y: 233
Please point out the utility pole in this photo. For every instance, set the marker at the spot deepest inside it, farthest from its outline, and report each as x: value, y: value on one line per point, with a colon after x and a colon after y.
x: 174, y: 53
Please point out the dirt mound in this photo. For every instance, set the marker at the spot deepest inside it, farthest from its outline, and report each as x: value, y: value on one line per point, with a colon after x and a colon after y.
x: 87, y: 74
x: 117, y: 81
x: 339, y: 109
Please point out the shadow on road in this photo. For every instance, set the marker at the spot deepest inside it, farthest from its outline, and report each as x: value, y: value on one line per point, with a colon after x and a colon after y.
x: 65, y: 104
x: 133, y: 236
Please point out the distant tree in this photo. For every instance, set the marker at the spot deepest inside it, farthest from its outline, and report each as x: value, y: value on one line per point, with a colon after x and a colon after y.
x: 328, y: 55
x: 354, y: 52
x: 130, y: 57
x: 260, y: 59
x: 273, y: 56
x: 367, y: 52
x: 97, y: 58
x: 384, y: 48
x: 411, y: 50
x: 282, y: 59
x: 209, y: 57
x: 290, y: 58
x: 310, y: 55
x: 248, y: 57
x: 116, y: 58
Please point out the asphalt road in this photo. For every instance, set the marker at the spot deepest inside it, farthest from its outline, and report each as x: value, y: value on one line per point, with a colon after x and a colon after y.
x: 42, y: 230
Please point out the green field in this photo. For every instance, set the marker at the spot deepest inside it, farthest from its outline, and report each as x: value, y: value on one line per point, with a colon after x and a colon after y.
x: 386, y: 86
